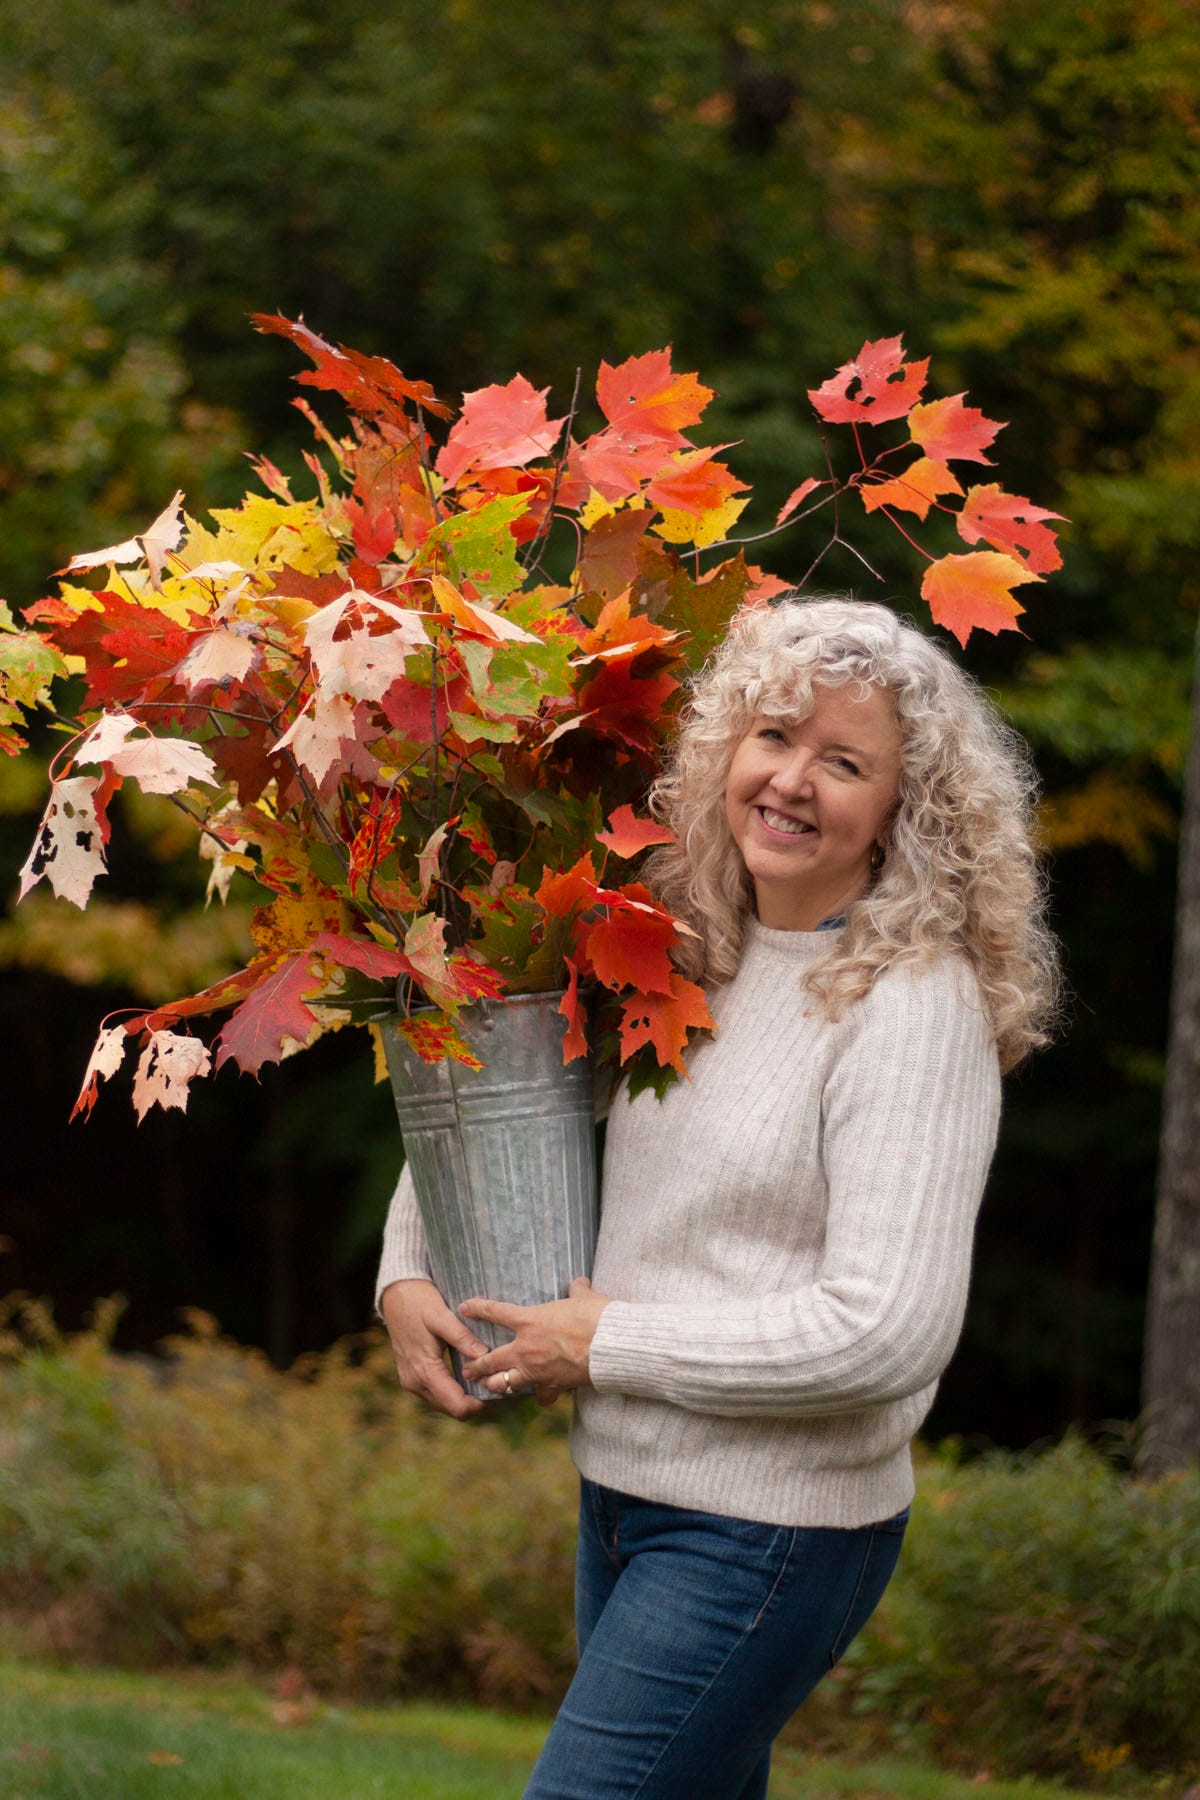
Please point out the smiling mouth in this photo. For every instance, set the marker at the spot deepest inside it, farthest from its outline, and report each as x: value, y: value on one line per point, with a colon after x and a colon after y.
x: 780, y: 822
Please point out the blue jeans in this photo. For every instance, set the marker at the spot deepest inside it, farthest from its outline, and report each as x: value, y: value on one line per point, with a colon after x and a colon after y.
x: 699, y: 1636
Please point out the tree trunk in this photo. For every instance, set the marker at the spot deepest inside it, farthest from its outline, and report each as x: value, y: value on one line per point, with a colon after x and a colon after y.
x: 1171, y: 1374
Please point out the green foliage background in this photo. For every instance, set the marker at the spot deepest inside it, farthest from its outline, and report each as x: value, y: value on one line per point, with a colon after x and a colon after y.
x: 472, y: 190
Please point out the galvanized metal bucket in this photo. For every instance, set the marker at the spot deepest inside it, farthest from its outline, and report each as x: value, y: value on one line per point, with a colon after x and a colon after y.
x: 502, y: 1158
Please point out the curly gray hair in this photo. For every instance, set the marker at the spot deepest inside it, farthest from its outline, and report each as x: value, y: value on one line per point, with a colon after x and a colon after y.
x: 960, y: 874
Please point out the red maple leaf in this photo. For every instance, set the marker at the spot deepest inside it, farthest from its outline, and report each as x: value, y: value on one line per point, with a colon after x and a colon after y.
x: 1010, y: 523
x: 406, y: 707
x: 796, y: 497
x: 126, y: 647
x: 272, y: 1011
x: 370, y: 385
x: 373, y: 839
x: 250, y: 761
x: 434, y: 1037
x: 472, y: 980
x: 628, y: 708
x: 886, y: 386
x: 502, y: 426
x: 294, y: 584
x: 374, y: 532
x: 948, y: 431
x: 369, y: 958
x: 627, y: 835
x: 966, y: 593
x: 644, y: 395
x: 663, y: 1020
x: 472, y: 828
x: 616, y: 463
x: 629, y: 949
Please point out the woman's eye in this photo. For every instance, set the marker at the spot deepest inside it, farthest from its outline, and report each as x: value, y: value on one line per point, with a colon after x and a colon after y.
x: 843, y: 762
x: 773, y: 733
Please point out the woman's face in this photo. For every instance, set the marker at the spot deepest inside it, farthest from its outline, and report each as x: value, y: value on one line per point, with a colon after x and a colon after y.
x: 808, y: 802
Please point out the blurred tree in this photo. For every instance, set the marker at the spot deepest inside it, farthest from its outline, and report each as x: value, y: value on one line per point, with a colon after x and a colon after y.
x: 1045, y: 191
x: 95, y: 421
x: 1010, y: 182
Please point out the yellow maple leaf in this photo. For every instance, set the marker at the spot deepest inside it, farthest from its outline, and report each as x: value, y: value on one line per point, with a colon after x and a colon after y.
x: 703, y: 529
x: 263, y: 535
x: 380, y: 1054
x: 595, y: 508
x: 291, y: 921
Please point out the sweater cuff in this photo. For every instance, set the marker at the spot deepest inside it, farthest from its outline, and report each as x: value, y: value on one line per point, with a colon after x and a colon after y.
x: 617, y: 1356
x: 405, y: 1255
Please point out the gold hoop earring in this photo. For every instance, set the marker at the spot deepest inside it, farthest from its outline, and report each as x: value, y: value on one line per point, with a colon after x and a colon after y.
x: 878, y: 858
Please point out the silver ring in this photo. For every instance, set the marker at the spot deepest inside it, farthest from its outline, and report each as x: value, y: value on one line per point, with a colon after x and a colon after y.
x: 508, y: 1386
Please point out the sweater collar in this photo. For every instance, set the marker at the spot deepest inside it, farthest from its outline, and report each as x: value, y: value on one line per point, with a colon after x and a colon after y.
x: 799, y: 946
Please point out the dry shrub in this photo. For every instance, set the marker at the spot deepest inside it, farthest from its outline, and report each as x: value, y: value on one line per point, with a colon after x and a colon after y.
x: 210, y: 1505
x: 1045, y: 1616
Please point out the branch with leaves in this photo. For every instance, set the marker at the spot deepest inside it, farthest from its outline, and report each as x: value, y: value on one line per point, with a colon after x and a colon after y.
x: 428, y: 756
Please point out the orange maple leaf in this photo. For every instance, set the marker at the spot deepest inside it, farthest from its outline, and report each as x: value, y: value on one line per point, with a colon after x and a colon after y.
x: 663, y: 1021
x: 914, y: 490
x: 966, y: 593
x: 563, y: 891
x: 763, y: 587
x: 951, y: 432
x: 374, y: 837
x: 627, y: 835
x: 645, y: 394
x: 692, y: 482
x: 886, y: 386
x: 575, y: 1042
x: 1010, y: 523
x: 618, y: 634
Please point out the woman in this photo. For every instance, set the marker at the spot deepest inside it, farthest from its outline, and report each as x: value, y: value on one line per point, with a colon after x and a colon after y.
x: 785, y: 1239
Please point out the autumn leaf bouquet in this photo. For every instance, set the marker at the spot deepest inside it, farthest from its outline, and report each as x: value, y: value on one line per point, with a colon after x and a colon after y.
x: 432, y: 757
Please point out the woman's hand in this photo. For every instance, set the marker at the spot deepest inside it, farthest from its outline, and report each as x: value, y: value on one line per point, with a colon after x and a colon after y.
x: 421, y: 1325
x: 550, y: 1349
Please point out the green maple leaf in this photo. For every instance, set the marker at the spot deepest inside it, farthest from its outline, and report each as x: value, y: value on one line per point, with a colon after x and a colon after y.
x: 479, y: 546
x: 493, y: 731
x: 28, y: 664
x: 702, y: 609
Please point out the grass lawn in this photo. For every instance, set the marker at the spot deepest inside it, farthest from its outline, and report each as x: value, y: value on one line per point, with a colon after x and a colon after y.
x: 100, y: 1735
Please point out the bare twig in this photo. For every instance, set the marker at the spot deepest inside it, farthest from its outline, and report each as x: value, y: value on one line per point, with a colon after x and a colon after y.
x: 735, y: 543
x: 423, y: 447
x: 543, y: 530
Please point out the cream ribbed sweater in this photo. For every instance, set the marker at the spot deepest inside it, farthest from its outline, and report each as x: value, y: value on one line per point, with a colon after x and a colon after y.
x: 787, y: 1241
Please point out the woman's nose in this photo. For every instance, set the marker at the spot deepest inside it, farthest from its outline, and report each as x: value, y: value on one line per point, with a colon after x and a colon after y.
x: 793, y: 779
